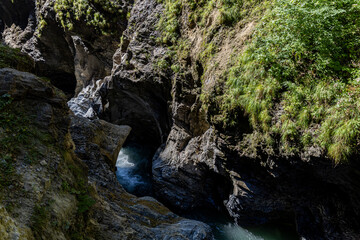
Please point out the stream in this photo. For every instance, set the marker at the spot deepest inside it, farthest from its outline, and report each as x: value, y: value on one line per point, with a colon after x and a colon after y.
x: 133, y: 172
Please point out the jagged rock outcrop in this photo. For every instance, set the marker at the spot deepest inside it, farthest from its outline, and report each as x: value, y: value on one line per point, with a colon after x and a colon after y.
x: 119, y: 214
x: 70, y: 59
x: 137, y: 93
x: 88, y: 103
x: 51, y: 183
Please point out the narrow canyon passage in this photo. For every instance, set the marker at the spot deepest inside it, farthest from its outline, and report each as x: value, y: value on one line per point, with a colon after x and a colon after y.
x: 133, y: 171
x: 188, y: 120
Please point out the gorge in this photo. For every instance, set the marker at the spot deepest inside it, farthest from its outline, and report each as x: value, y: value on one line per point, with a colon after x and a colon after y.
x: 179, y: 119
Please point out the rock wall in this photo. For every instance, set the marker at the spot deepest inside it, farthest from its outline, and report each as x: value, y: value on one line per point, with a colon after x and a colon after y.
x: 63, y: 183
x: 205, y: 165
x: 70, y: 59
x: 137, y: 93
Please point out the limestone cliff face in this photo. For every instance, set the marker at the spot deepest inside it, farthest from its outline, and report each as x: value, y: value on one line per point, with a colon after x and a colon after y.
x: 36, y: 160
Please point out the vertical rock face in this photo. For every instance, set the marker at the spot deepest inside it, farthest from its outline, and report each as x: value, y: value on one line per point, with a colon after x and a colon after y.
x: 137, y: 93
x: 34, y: 142
x: 118, y: 214
x: 50, y: 50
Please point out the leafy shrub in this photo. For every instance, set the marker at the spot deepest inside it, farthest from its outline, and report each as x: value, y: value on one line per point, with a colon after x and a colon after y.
x: 302, y: 60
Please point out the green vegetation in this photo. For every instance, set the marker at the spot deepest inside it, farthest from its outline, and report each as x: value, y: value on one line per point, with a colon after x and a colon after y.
x: 80, y: 190
x: 17, y: 134
x: 302, y: 63
x: 231, y: 12
x: 104, y: 15
x: 17, y: 130
x: 169, y: 23
x: 85, y: 203
x: 13, y: 124
x: 234, y: 10
x: 39, y: 219
x: 7, y: 171
x: 13, y: 58
x: 179, y: 13
x: 297, y: 80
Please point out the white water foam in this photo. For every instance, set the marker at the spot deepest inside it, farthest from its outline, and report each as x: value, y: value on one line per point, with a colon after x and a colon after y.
x: 127, y: 165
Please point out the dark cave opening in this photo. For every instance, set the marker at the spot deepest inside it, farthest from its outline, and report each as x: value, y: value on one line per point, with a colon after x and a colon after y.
x: 64, y: 81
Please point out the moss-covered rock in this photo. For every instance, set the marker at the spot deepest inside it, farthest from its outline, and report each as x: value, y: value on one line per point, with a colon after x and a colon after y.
x: 13, y: 58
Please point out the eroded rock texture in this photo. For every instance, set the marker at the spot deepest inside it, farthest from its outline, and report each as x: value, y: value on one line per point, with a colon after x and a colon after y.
x: 51, y: 192
x: 205, y: 165
x: 120, y: 215
x: 36, y: 154
x: 137, y: 93
x: 70, y: 59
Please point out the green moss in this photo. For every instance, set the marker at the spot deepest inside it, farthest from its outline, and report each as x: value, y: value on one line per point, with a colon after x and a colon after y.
x: 7, y: 171
x: 169, y: 23
x: 232, y: 11
x: 85, y: 203
x: 162, y: 64
x: 13, y: 58
x: 39, y: 219
x: 103, y: 15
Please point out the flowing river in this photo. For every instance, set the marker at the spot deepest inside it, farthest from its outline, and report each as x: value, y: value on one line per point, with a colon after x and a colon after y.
x: 133, y: 172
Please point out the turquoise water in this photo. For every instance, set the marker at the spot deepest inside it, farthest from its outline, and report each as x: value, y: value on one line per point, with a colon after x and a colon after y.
x: 224, y: 229
x: 133, y: 172
x: 233, y: 232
